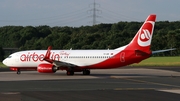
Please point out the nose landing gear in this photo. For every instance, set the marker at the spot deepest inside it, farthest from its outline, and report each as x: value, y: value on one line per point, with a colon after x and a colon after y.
x: 18, y: 71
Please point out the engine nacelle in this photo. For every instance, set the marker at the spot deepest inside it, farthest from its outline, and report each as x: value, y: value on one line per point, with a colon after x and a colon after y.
x: 46, y: 68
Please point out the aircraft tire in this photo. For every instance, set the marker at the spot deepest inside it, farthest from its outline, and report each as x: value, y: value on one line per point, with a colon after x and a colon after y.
x: 86, y: 72
x: 70, y: 73
x: 18, y: 72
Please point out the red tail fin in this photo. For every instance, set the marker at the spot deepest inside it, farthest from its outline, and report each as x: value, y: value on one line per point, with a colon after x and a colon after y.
x: 142, y: 39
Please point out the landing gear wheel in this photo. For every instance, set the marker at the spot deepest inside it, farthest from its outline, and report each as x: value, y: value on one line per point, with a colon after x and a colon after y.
x: 18, y: 72
x: 70, y: 73
x: 86, y: 72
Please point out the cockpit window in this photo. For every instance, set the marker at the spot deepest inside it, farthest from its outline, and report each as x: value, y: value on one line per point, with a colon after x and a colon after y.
x: 9, y: 56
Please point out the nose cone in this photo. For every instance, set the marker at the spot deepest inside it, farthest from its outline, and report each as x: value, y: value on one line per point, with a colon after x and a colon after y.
x: 5, y: 62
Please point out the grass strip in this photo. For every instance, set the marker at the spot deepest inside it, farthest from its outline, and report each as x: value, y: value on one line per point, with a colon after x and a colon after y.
x: 160, y: 61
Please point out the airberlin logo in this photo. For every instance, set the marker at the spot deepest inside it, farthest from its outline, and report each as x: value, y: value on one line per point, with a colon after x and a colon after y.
x: 39, y: 57
x: 31, y: 57
x: 145, y: 34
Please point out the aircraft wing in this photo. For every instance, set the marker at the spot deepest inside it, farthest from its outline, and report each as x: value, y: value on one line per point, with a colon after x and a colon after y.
x: 56, y: 63
x: 160, y: 51
x: 63, y: 64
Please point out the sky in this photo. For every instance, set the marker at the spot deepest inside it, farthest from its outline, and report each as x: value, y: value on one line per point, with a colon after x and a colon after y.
x: 76, y: 13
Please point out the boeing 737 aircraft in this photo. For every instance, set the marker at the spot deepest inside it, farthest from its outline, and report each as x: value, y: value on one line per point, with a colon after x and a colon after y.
x: 49, y: 61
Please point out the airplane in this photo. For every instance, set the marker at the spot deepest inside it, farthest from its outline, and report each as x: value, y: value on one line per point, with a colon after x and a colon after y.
x: 49, y: 61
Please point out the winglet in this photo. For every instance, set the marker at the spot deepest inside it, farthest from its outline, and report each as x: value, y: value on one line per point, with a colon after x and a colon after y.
x: 47, y: 56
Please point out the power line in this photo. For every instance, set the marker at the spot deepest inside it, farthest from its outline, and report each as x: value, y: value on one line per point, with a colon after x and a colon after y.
x: 94, y: 10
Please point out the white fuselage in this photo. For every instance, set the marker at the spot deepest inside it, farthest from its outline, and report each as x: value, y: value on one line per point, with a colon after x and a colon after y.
x: 33, y: 58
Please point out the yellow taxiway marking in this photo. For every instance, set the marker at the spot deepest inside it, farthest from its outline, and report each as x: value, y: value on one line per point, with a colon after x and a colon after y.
x: 134, y: 89
x: 148, y: 82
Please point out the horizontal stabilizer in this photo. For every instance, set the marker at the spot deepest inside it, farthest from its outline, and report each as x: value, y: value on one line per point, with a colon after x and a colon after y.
x: 160, y: 51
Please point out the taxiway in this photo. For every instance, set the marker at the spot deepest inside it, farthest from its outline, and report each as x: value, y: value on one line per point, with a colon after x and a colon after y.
x: 127, y: 84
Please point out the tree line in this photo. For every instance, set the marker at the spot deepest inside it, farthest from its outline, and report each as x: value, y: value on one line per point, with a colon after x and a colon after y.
x: 101, y: 36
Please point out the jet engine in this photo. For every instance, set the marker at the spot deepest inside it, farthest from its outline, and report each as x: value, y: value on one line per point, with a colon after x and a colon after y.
x: 46, y: 68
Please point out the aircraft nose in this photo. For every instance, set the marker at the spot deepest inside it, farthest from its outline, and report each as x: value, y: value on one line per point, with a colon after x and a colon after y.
x: 5, y: 62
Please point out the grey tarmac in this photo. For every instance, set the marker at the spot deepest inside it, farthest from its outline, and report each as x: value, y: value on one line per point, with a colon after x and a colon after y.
x: 127, y: 84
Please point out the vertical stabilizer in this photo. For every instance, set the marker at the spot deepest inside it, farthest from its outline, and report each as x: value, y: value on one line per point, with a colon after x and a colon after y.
x: 142, y: 39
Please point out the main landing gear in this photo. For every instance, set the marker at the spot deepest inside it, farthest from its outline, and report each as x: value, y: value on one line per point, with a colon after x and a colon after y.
x: 70, y: 72
x: 85, y: 72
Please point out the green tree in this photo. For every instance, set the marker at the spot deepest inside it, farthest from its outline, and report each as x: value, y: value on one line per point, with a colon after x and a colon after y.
x: 1, y: 54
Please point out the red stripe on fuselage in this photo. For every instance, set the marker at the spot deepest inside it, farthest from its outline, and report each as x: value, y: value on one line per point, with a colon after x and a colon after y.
x: 123, y: 58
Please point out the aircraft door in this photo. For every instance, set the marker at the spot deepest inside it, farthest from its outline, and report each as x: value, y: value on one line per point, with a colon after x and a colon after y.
x: 122, y: 57
x: 17, y: 59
